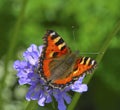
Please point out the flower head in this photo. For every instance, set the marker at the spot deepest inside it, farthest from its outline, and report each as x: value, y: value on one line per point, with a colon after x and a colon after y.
x: 38, y: 90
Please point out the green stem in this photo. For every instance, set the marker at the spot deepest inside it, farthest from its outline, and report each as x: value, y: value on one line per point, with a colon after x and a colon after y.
x: 98, y: 59
x: 32, y: 105
x: 10, y: 53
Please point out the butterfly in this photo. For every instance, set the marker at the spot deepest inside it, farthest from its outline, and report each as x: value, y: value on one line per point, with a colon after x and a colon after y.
x: 58, y: 65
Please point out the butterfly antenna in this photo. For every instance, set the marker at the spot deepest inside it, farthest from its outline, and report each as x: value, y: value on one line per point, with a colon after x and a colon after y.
x: 96, y: 53
x: 73, y: 32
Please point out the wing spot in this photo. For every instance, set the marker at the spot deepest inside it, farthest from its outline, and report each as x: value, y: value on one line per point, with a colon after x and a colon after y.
x: 93, y: 62
x: 51, y: 54
x: 82, y: 61
x: 55, y: 54
x: 75, y: 71
x: 52, y: 34
x: 85, y: 60
x: 57, y: 39
x: 61, y: 46
x: 88, y: 60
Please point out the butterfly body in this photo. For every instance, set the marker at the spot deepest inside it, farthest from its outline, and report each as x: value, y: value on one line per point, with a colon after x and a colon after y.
x: 58, y: 65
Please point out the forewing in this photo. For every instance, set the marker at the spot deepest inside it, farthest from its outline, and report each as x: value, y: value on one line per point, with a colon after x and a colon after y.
x: 54, y: 47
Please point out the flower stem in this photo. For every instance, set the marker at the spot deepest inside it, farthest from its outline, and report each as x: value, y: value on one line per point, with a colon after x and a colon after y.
x: 98, y: 59
x: 10, y: 53
x: 32, y: 105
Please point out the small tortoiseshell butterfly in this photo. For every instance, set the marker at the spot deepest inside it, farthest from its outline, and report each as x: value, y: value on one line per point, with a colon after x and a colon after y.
x: 58, y: 65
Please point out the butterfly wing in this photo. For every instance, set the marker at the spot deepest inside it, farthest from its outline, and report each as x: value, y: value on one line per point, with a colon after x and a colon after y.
x: 54, y: 47
x: 82, y: 65
x: 55, y: 53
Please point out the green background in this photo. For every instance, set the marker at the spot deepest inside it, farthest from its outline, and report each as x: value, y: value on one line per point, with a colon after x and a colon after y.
x: 83, y: 24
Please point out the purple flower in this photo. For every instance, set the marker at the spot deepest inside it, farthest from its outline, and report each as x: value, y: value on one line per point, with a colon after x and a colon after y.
x: 27, y: 74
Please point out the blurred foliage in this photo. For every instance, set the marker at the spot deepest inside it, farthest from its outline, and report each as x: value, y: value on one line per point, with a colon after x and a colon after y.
x: 92, y: 20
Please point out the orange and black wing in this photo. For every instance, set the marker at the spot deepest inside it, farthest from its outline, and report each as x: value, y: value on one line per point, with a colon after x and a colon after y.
x: 82, y: 65
x: 54, y: 47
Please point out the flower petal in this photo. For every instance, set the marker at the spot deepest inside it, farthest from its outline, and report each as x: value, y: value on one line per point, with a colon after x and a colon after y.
x: 18, y: 65
x: 41, y: 100
x: 61, y: 104
x: 32, y: 48
x: 67, y: 98
x: 79, y: 88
